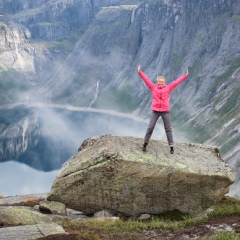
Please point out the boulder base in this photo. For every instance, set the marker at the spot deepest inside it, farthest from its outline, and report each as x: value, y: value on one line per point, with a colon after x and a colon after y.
x: 113, y: 173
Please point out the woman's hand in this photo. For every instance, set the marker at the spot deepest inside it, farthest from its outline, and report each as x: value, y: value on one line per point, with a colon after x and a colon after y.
x: 187, y: 72
x: 139, y: 68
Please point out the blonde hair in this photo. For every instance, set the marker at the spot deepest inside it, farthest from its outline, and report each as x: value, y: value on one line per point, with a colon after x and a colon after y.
x: 161, y: 77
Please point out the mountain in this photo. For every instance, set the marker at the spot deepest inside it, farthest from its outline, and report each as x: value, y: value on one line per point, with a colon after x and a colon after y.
x: 86, y: 52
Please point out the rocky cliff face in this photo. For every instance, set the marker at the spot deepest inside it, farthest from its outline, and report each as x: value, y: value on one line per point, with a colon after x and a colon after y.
x: 110, y: 40
x: 165, y: 37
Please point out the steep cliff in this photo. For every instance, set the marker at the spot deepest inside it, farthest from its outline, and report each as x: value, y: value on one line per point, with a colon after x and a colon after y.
x: 165, y: 37
x: 107, y: 41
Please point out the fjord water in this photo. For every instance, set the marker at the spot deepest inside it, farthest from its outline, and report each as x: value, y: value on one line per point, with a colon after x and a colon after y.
x: 61, y: 134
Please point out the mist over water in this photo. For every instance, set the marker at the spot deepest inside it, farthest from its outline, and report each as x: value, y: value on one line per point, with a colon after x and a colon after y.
x: 65, y: 131
x: 61, y: 134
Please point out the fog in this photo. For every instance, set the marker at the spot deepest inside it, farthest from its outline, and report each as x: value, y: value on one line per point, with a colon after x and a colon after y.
x: 66, y: 130
x: 62, y: 132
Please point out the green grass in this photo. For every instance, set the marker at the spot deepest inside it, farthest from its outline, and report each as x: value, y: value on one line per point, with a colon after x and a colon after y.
x: 226, y: 236
x: 226, y: 207
x: 93, y: 229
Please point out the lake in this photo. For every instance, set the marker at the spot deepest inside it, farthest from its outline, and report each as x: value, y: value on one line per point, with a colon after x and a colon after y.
x: 62, y: 133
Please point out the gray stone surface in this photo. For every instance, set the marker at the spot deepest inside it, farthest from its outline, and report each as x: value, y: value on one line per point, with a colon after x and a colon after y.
x: 103, y: 213
x: 22, y: 198
x: 112, y: 172
x: 30, y: 231
x: 15, y: 216
x: 52, y: 207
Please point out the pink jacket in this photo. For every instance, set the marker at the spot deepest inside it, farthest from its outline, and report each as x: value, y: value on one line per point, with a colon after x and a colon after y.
x: 161, y: 95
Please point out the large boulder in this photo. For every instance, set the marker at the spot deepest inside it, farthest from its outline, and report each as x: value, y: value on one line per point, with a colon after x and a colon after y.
x: 112, y: 173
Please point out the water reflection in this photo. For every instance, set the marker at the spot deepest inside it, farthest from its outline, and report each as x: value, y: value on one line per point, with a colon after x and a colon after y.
x: 61, y: 134
x: 20, y: 179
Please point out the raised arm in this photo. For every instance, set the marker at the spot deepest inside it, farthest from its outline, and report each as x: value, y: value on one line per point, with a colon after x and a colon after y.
x: 178, y: 81
x: 145, y: 78
x: 139, y: 68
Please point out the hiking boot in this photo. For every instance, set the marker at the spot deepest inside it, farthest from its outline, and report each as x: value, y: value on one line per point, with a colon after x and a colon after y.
x: 171, y: 150
x: 144, y: 148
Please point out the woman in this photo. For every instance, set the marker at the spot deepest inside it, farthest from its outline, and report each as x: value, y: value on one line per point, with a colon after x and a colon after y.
x: 160, y: 105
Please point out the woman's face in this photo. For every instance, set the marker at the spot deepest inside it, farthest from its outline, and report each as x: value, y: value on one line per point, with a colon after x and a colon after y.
x: 161, y: 81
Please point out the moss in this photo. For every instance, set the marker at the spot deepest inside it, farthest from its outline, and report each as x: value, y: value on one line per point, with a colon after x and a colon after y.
x: 141, y: 157
x: 192, y: 171
x: 180, y: 165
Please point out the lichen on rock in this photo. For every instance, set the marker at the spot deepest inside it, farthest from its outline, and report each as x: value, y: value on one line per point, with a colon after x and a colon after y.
x: 112, y: 173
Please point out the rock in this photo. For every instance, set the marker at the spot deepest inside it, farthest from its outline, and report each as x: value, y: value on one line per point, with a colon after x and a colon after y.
x: 103, y: 213
x: 112, y: 173
x: 52, y: 207
x: 107, y: 219
x: 144, y: 217
x: 15, y: 216
x: 74, y: 214
x: 30, y: 231
x: 22, y: 198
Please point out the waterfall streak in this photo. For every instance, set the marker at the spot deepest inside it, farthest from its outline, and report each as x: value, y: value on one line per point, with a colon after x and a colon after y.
x: 96, y: 95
